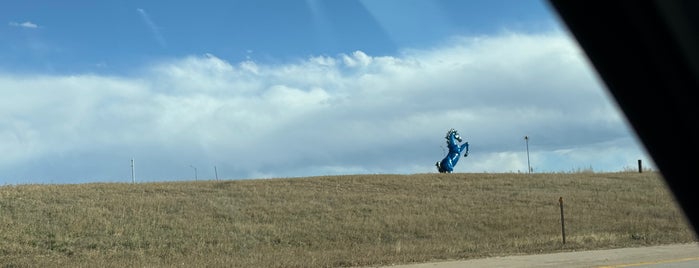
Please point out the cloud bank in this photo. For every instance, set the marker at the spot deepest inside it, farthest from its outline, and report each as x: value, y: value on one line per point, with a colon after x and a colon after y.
x: 339, y: 114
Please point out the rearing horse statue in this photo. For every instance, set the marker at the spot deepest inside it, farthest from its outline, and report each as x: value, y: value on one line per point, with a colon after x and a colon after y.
x: 447, y: 164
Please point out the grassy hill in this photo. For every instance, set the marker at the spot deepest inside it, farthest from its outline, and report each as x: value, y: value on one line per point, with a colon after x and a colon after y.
x: 334, y: 221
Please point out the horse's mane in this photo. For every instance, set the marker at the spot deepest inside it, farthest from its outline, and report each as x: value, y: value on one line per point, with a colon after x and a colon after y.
x: 451, y: 131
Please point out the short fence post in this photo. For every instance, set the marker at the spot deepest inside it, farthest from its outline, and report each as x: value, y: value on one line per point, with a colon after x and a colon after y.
x: 640, y: 168
x: 563, y: 226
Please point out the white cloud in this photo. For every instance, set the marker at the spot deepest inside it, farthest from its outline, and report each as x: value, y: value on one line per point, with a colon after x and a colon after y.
x: 357, y: 59
x: 353, y: 113
x: 26, y: 24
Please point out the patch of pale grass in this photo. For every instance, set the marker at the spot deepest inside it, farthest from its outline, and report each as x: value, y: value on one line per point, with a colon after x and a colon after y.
x: 334, y: 221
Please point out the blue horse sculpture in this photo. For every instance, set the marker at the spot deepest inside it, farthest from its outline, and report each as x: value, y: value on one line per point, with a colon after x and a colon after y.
x: 447, y: 164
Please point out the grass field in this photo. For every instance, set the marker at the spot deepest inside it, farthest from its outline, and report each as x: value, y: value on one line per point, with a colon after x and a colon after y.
x: 334, y: 221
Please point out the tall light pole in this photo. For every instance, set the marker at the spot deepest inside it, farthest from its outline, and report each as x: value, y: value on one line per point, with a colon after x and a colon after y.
x: 133, y: 173
x: 529, y: 167
x: 195, y: 172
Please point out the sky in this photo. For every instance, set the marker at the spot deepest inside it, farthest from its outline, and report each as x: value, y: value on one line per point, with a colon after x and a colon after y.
x: 278, y: 89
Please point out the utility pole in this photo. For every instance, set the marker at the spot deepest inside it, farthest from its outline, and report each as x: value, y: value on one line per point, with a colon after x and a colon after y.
x: 216, y: 172
x: 133, y: 172
x: 529, y: 167
x: 195, y: 172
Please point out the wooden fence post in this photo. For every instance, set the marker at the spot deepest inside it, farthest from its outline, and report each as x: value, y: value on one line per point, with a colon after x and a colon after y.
x: 563, y: 226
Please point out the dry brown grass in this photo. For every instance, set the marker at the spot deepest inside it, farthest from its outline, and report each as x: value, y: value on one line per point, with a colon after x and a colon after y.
x: 337, y: 221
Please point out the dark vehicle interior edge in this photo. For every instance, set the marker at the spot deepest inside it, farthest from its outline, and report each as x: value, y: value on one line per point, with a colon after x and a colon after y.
x: 647, y: 54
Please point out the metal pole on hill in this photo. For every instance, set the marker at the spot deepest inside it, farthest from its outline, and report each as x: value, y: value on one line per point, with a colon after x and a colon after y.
x: 216, y: 172
x: 133, y: 173
x: 195, y: 172
x: 529, y: 167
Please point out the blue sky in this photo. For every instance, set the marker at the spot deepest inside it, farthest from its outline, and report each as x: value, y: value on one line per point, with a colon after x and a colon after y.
x: 262, y: 89
x: 79, y: 36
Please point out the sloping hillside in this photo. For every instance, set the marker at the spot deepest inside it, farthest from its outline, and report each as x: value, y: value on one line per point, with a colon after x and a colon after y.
x: 334, y: 221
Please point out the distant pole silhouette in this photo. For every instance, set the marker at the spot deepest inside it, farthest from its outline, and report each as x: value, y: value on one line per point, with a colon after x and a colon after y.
x: 529, y: 167
x: 133, y: 172
x: 195, y: 172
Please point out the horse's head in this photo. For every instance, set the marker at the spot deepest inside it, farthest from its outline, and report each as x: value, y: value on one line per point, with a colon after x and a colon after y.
x: 453, y: 133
